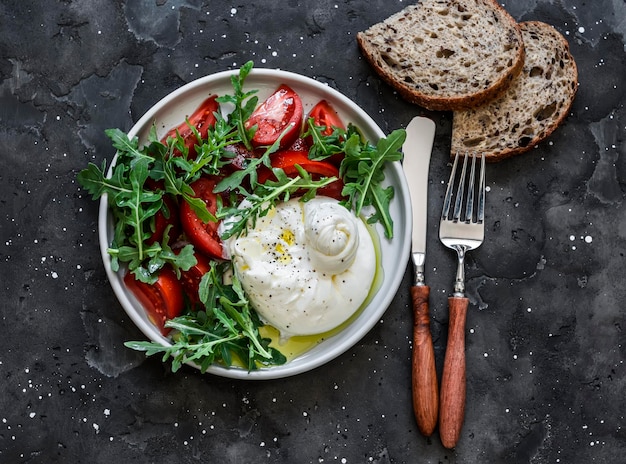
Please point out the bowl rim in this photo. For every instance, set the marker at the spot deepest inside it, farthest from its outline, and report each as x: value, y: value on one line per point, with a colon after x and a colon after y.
x: 354, y: 332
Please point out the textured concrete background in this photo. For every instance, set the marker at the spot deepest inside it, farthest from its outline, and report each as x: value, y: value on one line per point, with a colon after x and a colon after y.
x: 545, y: 340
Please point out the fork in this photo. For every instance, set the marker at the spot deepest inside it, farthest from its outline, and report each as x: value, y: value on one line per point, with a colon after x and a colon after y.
x: 461, y: 229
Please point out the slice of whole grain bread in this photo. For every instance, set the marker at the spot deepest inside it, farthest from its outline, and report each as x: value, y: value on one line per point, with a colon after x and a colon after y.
x: 446, y: 54
x: 532, y: 107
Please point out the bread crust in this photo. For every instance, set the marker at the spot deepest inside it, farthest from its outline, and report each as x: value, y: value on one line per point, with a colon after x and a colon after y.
x: 474, y: 48
x: 535, y: 104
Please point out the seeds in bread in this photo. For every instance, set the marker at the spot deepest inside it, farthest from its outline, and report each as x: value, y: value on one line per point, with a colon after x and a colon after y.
x: 531, y: 108
x: 446, y: 54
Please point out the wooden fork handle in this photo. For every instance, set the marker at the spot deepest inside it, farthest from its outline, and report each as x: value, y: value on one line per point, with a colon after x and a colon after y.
x: 453, y: 379
x: 424, y: 375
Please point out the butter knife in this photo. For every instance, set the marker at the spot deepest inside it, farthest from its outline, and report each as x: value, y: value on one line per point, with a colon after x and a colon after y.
x: 420, y: 134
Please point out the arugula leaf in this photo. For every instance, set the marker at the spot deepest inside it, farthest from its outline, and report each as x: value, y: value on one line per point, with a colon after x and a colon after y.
x: 265, y: 196
x: 227, y: 326
x: 324, y: 146
x: 362, y: 168
x: 244, y: 104
x: 134, y: 205
x: 127, y: 146
x: 94, y: 180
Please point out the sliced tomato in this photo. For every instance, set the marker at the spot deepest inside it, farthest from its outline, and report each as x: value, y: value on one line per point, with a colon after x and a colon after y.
x: 167, y: 215
x: 191, y: 278
x: 238, y: 155
x: 162, y: 300
x: 203, y: 236
x: 324, y: 114
x: 300, y: 144
x: 287, y: 160
x: 281, y: 113
x: 202, y: 119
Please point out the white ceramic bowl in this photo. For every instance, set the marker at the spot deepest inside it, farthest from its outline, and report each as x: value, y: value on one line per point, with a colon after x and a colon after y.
x: 173, y: 109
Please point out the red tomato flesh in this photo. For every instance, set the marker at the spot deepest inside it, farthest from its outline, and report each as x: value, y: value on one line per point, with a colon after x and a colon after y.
x: 324, y: 114
x: 191, y: 278
x: 162, y: 300
x: 202, y: 119
x: 287, y: 160
x: 281, y: 112
x: 300, y: 144
x: 164, y: 217
x: 203, y: 236
x: 239, y: 155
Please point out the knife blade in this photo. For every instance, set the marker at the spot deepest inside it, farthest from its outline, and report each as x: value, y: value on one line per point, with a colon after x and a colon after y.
x: 417, y: 148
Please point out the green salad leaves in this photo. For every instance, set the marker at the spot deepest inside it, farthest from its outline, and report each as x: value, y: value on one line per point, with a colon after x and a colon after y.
x: 361, y: 168
x: 226, y: 329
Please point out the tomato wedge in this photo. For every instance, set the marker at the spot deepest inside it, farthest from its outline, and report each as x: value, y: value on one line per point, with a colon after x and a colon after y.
x: 202, y: 119
x: 281, y: 112
x: 239, y: 155
x: 191, y: 278
x: 287, y: 160
x: 203, y: 236
x: 162, y: 300
x: 324, y: 114
x: 300, y: 144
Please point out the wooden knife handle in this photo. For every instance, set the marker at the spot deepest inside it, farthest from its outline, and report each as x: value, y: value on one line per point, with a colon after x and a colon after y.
x: 424, y: 375
x: 453, y: 378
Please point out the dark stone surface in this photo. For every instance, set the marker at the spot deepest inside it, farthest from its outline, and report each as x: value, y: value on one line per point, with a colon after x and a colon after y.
x: 545, y: 340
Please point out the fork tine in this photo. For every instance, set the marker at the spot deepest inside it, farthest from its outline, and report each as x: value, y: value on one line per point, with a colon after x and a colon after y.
x: 465, y: 193
x: 459, y: 193
x: 447, y: 201
x: 469, y: 205
x: 481, y: 191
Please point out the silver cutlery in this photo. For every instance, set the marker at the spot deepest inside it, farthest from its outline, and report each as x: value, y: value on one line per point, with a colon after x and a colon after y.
x: 462, y: 229
x: 417, y: 148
